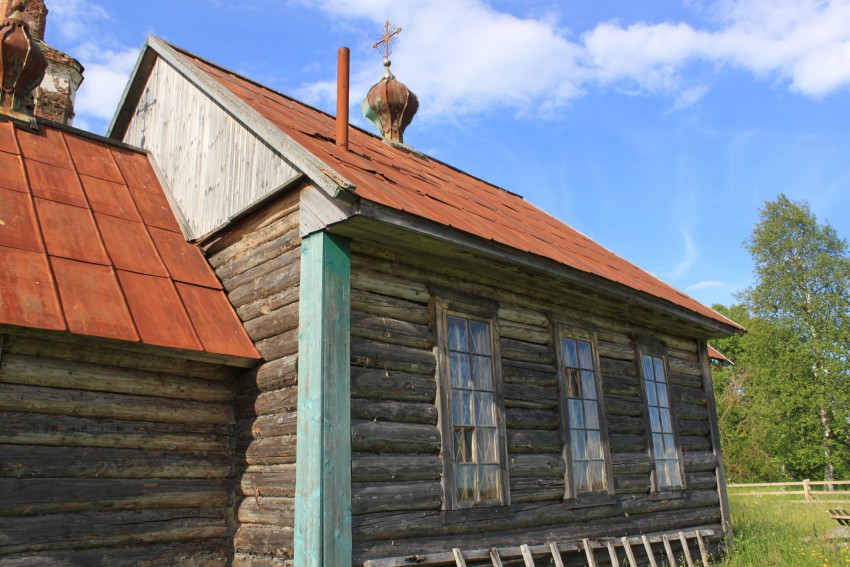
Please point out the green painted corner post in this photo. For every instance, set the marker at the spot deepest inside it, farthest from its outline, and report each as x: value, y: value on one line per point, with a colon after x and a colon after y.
x: 323, y: 467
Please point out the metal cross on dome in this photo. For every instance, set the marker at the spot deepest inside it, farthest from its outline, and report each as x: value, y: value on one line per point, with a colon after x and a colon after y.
x: 390, y: 31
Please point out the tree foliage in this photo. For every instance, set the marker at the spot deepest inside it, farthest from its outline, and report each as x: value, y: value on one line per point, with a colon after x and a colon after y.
x: 786, y: 402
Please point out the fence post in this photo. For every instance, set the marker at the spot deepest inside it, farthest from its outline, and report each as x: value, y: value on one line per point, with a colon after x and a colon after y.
x: 807, y: 488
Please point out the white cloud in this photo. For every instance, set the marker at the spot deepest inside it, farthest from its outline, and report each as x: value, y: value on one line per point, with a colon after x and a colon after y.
x: 705, y: 284
x: 106, y: 75
x: 471, y: 58
x: 692, y: 254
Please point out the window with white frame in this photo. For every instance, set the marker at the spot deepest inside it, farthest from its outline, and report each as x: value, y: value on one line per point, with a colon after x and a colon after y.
x: 586, y: 440
x: 663, y: 445
x: 473, y: 435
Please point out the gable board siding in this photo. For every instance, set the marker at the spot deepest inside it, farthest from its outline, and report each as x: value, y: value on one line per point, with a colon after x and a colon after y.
x: 396, y: 466
x: 213, y: 165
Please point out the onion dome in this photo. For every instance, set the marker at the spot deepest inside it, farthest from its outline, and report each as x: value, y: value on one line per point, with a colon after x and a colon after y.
x: 22, y: 64
x: 390, y: 105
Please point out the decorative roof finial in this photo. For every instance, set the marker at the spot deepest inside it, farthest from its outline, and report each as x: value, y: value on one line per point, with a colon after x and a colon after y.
x: 22, y: 65
x: 390, y: 31
x: 390, y: 105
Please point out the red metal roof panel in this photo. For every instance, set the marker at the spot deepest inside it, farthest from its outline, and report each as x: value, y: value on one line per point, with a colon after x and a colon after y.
x: 92, y: 158
x: 12, y: 173
x: 46, y: 146
x: 92, y: 300
x: 7, y: 138
x: 129, y: 246
x: 215, y: 321
x: 55, y: 183
x: 27, y: 295
x: 18, y: 225
x: 184, y: 261
x: 70, y: 232
x: 156, y: 211
x: 137, y: 170
x: 110, y: 198
x: 158, y: 312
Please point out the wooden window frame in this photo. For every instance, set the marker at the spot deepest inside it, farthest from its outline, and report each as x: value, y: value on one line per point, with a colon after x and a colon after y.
x: 570, y: 330
x: 456, y: 304
x: 658, y: 349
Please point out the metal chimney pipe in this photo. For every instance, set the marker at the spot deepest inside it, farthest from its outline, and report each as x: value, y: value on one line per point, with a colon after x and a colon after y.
x: 343, y: 56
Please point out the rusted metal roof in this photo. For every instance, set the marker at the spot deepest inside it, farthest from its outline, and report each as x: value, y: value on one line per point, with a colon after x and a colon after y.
x: 413, y: 183
x: 715, y: 354
x: 89, y: 245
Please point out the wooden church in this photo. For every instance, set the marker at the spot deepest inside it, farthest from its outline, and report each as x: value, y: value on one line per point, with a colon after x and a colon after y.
x: 239, y: 331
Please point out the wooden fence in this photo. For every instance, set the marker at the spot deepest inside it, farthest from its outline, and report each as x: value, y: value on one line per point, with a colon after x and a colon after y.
x: 811, y: 490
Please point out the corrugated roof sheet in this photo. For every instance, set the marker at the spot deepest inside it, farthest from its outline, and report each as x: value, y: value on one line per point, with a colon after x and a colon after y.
x: 88, y: 244
x: 413, y: 183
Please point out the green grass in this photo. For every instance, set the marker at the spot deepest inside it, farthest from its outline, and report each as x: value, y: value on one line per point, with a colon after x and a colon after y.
x: 778, y: 531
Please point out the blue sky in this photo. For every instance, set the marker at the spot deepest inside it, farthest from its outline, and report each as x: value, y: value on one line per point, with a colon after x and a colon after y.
x: 656, y: 128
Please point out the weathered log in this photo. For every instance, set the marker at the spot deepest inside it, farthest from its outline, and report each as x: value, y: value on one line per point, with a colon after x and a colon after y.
x: 50, y: 372
x: 529, y: 396
x: 625, y: 424
x: 695, y: 427
x: 385, y: 306
x: 531, y: 441
x: 517, y: 372
x: 694, y: 443
x: 275, y: 265
x: 392, y: 331
x: 618, y: 386
x: 366, y: 467
x: 266, y: 286
x: 522, y: 315
x: 269, y: 451
x: 620, y: 443
x: 537, y: 489
x: 687, y: 395
x: 251, y: 560
x: 260, y: 228
x: 690, y: 411
x: 630, y: 463
x: 363, y: 278
x: 268, y: 510
x: 71, y: 531
x: 277, y: 374
x: 525, y: 333
x: 277, y: 424
x: 616, y: 351
x: 536, y: 466
x: 632, y: 484
x: 684, y: 355
x: 33, y: 461
x: 374, y: 354
x: 264, y: 540
x: 521, y: 418
x: 526, y: 352
x: 36, y: 429
x: 372, y: 436
x: 56, y: 401
x: 268, y: 303
x: 278, y: 401
x: 629, y: 407
x: 278, y: 346
x: 367, y: 498
x: 209, y: 553
x: 273, y: 323
x: 392, y: 385
x: 38, y: 497
x: 619, y: 368
x: 391, y: 410
x: 272, y: 481
x: 250, y: 258
x: 686, y: 381
x: 700, y: 480
x: 699, y: 461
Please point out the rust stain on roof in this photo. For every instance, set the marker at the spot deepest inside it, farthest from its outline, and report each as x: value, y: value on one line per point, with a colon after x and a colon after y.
x: 88, y: 244
x: 413, y: 183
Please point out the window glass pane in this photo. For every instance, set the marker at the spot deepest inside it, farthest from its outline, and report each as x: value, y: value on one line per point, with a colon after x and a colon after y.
x: 591, y: 415
x: 658, y: 445
x: 579, y: 445
x: 461, y: 407
x: 459, y: 369
x: 465, y: 482
x: 573, y: 383
x: 659, y: 369
x: 457, y: 334
x: 482, y: 373
x: 588, y: 385
x: 594, y: 445
x: 463, y: 446
x: 570, y: 355
x: 669, y: 447
x: 574, y: 407
x: 485, y: 443
x: 585, y: 358
x: 480, y: 334
x: 580, y: 479
x: 654, y: 420
x: 666, y: 425
x: 484, y: 409
x: 662, y: 396
x: 647, y: 367
x: 662, y: 478
x: 488, y: 482
x: 596, y: 475
x: 651, y: 398
x: 673, y: 474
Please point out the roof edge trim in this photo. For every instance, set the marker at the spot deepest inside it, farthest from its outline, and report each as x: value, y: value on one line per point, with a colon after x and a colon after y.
x: 319, y: 172
x: 424, y: 227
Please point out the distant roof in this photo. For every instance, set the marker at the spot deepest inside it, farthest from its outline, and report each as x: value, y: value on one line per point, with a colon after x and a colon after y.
x: 89, y: 244
x: 717, y: 355
x: 416, y: 184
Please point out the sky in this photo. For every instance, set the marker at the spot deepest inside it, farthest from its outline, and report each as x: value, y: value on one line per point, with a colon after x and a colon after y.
x: 659, y: 129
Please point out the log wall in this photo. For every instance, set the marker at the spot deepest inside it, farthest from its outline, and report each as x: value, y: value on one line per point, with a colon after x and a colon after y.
x: 258, y: 262
x: 396, y: 461
x: 111, y: 456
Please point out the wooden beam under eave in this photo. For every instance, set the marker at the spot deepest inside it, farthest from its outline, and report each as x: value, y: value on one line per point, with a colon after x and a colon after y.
x: 323, y: 473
